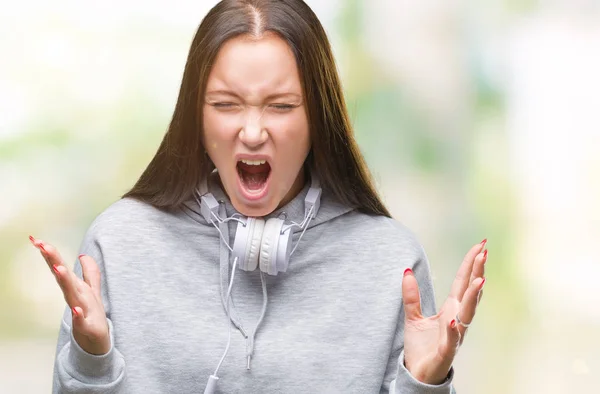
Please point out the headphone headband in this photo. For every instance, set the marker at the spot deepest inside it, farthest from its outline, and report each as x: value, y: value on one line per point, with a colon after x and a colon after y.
x: 259, y: 242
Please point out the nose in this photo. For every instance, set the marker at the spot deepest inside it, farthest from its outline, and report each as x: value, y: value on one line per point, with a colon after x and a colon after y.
x: 252, y: 133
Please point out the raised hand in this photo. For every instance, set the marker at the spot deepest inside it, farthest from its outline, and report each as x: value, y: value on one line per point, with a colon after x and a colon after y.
x: 90, y: 327
x: 431, y: 343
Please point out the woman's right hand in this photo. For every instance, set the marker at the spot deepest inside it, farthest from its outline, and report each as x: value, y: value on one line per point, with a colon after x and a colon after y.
x: 90, y: 326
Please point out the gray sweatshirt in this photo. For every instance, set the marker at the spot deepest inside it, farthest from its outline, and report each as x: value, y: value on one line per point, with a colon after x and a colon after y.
x: 334, y: 321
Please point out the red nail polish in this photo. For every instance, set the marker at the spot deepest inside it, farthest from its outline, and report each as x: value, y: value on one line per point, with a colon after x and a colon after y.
x: 31, y: 239
x: 453, y: 323
x: 55, y: 268
x: 42, y: 248
x: 481, y: 285
x: 75, y: 311
x: 485, y: 254
x: 81, y: 255
x: 407, y: 271
x: 484, y: 241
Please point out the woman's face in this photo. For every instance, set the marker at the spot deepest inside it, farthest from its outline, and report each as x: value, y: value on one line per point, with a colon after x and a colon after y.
x: 255, y: 123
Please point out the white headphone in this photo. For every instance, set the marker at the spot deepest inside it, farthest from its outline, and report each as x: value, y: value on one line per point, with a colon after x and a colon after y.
x: 267, y: 244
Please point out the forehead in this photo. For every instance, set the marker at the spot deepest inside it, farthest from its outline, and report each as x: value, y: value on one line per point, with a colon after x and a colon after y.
x: 255, y: 67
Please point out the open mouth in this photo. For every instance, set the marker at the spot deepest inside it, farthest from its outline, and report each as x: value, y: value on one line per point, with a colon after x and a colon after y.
x: 253, y: 174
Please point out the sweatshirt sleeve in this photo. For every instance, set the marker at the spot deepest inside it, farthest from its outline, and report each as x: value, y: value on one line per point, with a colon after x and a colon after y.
x: 75, y: 370
x: 398, y: 380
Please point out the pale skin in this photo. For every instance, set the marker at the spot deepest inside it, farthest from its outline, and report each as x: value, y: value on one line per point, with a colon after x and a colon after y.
x: 90, y: 327
x: 254, y: 106
x: 430, y: 343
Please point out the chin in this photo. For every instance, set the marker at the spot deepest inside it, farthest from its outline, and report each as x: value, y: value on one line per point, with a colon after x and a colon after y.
x: 258, y: 209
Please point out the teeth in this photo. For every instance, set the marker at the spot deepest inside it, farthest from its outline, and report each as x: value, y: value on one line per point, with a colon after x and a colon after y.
x: 254, y: 162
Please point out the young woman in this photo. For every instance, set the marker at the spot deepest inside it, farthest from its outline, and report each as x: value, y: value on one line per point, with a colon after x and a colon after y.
x: 253, y: 254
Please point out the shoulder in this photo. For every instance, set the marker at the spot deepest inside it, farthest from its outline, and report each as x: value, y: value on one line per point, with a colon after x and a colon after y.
x: 380, y: 233
x: 124, y: 216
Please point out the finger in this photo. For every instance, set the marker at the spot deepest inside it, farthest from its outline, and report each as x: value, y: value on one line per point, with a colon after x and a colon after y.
x: 55, y: 262
x: 410, y: 296
x: 72, y: 291
x: 479, y: 296
x: 91, y: 273
x: 78, y: 315
x: 54, y: 259
x: 461, y: 282
x: 468, y: 305
x: 69, y: 283
x: 479, y: 265
x: 48, y: 252
x: 452, y: 341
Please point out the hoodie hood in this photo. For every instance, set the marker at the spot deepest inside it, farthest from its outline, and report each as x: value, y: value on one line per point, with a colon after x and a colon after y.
x: 291, y: 212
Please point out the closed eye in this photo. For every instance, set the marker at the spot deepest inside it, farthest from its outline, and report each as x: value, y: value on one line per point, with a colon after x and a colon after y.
x: 223, y: 105
x: 283, y: 107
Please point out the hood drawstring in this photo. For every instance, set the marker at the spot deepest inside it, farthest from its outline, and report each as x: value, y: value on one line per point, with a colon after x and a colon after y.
x: 225, y: 250
x: 220, y: 222
x: 224, y: 269
x: 250, y: 343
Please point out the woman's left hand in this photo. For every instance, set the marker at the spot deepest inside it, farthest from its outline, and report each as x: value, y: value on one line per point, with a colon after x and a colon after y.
x: 431, y: 343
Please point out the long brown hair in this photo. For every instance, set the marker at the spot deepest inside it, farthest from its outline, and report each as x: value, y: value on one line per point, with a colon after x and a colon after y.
x: 181, y: 163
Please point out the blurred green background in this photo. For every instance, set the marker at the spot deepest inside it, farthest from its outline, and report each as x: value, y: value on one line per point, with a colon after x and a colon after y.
x: 478, y: 119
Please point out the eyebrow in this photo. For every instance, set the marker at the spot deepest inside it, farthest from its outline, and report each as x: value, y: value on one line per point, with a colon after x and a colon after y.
x: 269, y: 97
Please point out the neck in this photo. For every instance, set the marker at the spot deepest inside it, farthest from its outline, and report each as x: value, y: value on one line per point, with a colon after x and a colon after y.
x: 294, y: 190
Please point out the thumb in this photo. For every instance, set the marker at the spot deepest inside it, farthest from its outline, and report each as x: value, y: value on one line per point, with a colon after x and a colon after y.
x: 91, y: 273
x: 78, y: 318
x: 448, y: 346
x: 410, y: 296
x: 452, y: 340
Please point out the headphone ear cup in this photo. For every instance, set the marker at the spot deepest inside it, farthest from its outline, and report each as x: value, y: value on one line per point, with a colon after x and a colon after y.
x: 253, y: 247
x: 284, y: 250
x: 269, y: 245
x: 247, y: 242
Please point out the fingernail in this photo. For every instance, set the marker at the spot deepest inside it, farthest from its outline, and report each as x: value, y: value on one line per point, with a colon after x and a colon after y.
x: 485, y: 255
x: 407, y: 271
x: 75, y: 311
x: 40, y: 246
x: 453, y: 323
x: 55, y: 269
x: 484, y: 241
x: 481, y: 285
x: 80, y: 256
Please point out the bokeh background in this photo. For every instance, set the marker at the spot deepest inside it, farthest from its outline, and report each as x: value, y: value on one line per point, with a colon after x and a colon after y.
x: 477, y: 118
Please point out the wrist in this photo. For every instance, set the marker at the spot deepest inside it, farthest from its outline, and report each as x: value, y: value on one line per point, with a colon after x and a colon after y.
x: 435, y: 379
x: 96, y: 348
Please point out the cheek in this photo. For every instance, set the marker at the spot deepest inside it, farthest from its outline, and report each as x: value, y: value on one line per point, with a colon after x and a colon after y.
x: 292, y: 142
x: 218, y: 134
x: 293, y: 132
x: 300, y: 135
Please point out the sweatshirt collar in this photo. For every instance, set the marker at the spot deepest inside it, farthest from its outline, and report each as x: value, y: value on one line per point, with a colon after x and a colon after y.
x: 293, y: 211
